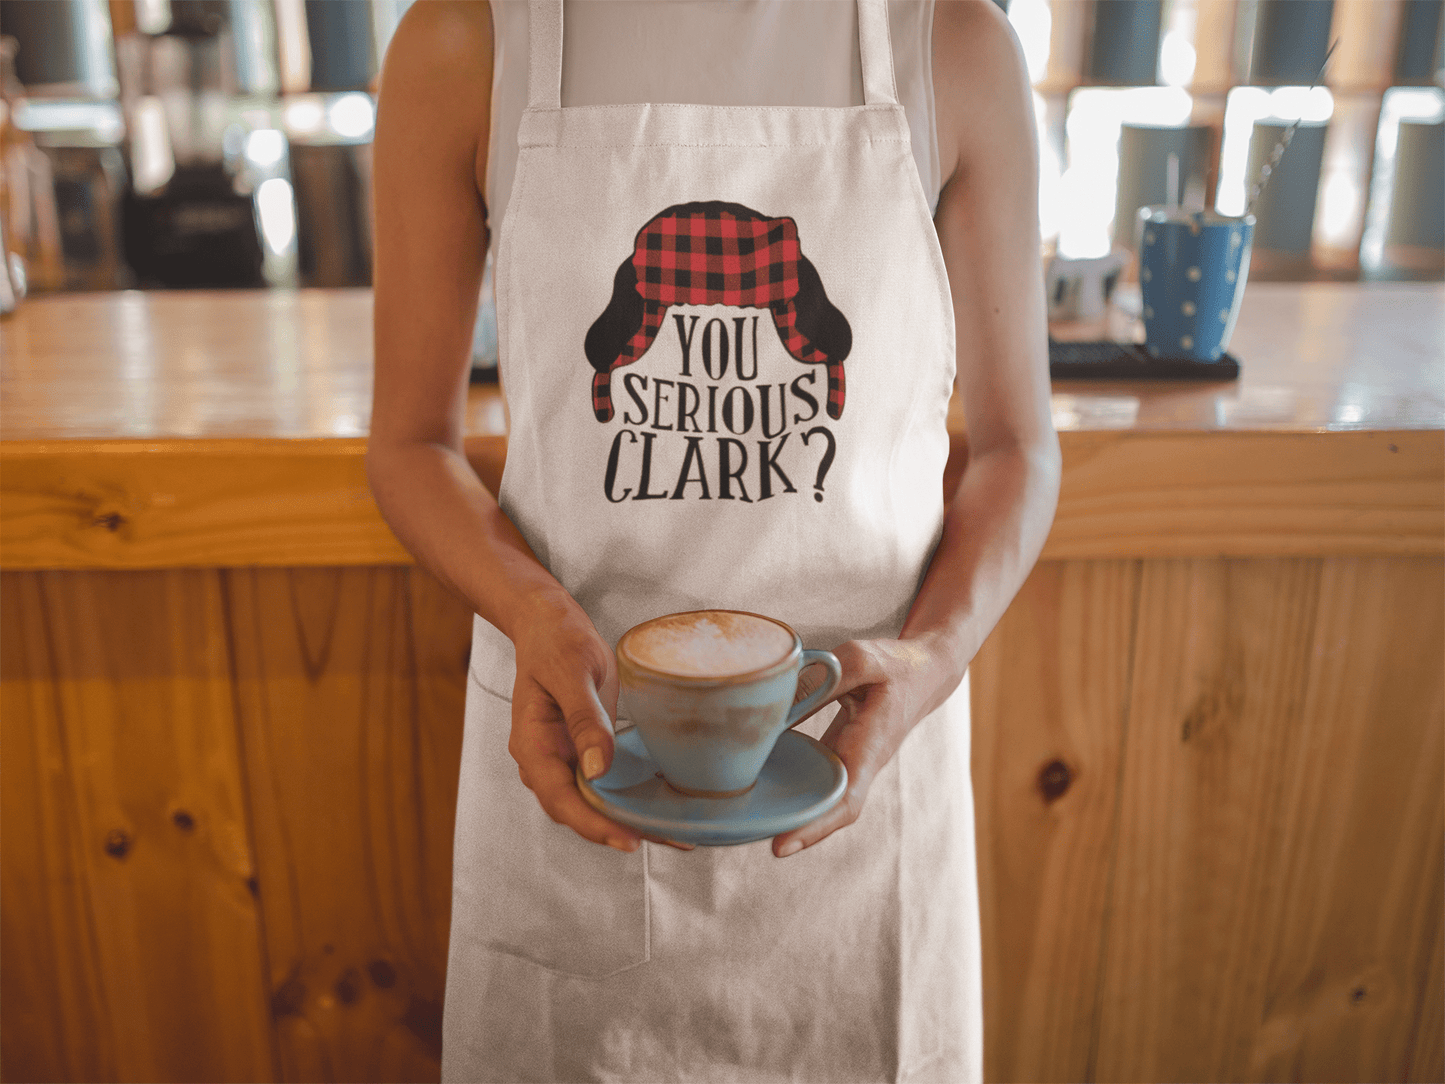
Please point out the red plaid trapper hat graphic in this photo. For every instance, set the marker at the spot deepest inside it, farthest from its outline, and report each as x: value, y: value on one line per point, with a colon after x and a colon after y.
x: 715, y: 253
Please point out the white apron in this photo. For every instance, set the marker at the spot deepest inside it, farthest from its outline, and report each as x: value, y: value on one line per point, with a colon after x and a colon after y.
x: 727, y: 349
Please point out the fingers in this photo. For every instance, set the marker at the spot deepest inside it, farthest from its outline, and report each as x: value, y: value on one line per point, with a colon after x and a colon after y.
x: 840, y: 816
x: 861, y: 736
x: 544, y: 743
x: 862, y: 756
x: 588, y: 724
x: 551, y: 780
x: 546, y: 748
x: 860, y: 666
x: 809, y: 678
x: 563, y: 703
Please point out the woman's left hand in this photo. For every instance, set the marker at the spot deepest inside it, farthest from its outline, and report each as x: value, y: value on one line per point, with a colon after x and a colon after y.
x: 886, y: 688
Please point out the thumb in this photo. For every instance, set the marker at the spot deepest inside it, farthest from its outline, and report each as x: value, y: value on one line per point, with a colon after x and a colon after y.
x: 588, y: 724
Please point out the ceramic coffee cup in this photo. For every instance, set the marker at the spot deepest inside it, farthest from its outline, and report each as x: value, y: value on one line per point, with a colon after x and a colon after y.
x: 1082, y: 289
x: 1192, y: 269
x: 711, y: 692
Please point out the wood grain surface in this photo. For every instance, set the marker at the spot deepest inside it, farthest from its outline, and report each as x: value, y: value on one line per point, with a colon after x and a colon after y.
x: 1364, y: 823
x: 276, y: 364
x: 207, y: 429
x: 199, y: 504
x: 1250, y: 494
x: 1048, y: 732
x: 119, y: 504
x: 349, y: 688
x: 159, y: 364
x: 1208, y: 792
x: 1200, y: 812
x: 1265, y: 903
x: 1428, y: 1060
x: 132, y: 933
x: 228, y: 806
x: 1278, y: 885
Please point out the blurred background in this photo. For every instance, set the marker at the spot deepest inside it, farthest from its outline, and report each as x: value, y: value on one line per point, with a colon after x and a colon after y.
x: 179, y: 143
x: 225, y: 143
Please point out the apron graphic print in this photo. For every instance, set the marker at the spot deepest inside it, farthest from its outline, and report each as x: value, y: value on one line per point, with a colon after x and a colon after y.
x: 717, y: 254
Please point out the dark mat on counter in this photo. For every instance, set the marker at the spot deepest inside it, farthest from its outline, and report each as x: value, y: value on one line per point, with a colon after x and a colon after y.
x: 1106, y: 360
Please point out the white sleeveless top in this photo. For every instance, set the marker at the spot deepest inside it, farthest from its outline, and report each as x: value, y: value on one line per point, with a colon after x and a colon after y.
x: 755, y: 52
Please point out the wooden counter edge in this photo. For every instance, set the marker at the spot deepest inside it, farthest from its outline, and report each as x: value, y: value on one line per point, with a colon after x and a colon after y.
x: 139, y: 504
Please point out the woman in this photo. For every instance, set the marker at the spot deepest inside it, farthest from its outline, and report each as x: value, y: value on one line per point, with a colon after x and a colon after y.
x: 847, y: 948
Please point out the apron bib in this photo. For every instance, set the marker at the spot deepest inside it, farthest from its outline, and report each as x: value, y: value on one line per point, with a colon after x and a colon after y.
x: 727, y: 350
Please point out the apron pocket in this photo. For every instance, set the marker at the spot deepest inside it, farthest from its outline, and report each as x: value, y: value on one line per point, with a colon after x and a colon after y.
x: 534, y: 888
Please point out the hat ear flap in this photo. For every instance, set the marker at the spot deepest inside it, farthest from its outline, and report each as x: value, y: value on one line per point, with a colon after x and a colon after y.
x: 610, y: 334
x: 818, y: 319
x: 613, y: 330
x: 825, y: 328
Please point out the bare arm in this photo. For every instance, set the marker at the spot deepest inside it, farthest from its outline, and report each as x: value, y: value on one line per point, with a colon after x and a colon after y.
x: 987, y: 222
x: 997, y: 520
x: 431, y: 234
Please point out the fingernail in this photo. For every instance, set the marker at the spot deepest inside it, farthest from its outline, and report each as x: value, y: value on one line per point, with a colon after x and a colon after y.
x: 626, y: 846
x: 791, y: 848
x: 592, y: 763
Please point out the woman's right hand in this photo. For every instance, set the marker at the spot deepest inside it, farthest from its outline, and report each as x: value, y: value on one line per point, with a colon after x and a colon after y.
x: 563, y: 704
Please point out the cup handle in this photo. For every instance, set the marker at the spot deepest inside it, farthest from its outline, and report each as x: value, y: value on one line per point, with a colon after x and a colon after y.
x: 823, y: 691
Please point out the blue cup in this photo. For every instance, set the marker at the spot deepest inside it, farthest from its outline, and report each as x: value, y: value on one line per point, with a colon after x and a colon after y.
x: 711, y: 733
x: 1192, y: 268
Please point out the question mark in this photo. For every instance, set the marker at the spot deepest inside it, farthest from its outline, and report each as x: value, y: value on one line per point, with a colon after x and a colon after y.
x: 827, y: 457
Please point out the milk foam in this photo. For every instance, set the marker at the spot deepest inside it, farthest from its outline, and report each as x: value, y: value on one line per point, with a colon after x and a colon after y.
x: 709, y: 644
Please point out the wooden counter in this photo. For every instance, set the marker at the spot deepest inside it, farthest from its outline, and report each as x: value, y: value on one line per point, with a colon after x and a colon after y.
x: 1207, y: 736
x: 220, y: 429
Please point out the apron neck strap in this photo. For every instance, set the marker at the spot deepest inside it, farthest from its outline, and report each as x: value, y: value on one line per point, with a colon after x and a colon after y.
x: 544, y: 67
x: 544, y: 59
x: 875, y: 51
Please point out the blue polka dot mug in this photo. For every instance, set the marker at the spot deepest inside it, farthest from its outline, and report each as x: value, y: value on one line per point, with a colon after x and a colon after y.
x: 1192, y: 267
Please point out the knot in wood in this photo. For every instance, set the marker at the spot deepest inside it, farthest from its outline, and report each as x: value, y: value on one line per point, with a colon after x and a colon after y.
x: 382, y: 973
x: 183, y: 820
x: 348, y: 987
x: 117, y: 843
x: 111, y: 521
x: 288, y: 999
x: 1055, y: 777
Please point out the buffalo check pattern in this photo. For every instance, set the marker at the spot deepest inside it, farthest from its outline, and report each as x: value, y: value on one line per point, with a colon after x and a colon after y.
x: 716, y: 257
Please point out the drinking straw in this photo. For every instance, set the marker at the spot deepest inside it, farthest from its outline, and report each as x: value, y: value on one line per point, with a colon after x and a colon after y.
x: 1267, y: 170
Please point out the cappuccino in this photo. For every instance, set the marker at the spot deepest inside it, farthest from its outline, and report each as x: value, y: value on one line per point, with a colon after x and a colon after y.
x: 708, y: 643
x: 711, y: 691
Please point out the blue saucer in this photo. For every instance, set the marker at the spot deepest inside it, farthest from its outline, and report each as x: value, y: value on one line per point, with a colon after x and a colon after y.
x: 801, y: 781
